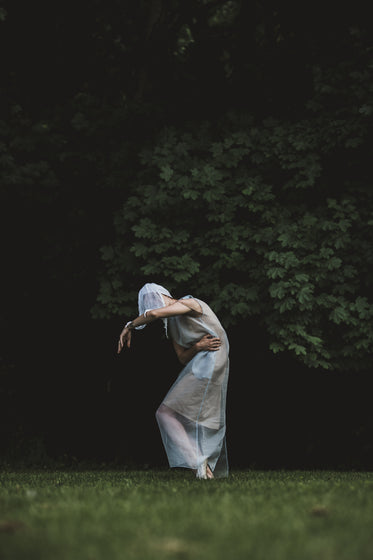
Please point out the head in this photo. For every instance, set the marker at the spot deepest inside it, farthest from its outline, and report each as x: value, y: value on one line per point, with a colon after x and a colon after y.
x: 153, y: 296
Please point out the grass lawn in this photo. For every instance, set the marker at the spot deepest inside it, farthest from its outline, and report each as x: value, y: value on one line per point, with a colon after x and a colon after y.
x: 112, y: 515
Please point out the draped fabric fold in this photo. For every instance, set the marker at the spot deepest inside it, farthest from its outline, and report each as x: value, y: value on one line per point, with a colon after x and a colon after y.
x: 192, y: 418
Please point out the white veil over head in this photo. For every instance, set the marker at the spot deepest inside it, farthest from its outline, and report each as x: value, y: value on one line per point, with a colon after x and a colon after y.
x: 150, y: 297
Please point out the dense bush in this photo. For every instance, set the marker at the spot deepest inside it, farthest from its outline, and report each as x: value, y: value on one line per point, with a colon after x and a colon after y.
x: 270, y: 219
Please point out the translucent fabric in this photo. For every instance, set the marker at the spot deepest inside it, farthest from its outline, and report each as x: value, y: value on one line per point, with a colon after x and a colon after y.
x: 150, y: 297
x: 191, y: 417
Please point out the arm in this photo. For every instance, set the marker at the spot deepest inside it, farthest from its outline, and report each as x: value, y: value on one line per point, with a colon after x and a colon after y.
x: 177, y: 308
x: 152, y: 315
x: 208, y: 342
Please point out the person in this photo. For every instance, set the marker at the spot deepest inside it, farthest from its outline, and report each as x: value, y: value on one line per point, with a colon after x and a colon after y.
x: 192, y: 416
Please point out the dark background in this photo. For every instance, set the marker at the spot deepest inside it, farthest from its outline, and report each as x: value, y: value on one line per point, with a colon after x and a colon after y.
x: 66, y: 397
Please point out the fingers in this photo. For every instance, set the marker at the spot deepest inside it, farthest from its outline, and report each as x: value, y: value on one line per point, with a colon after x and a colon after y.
x: 213, y: 343
x: 120, y: 346
x: 124, y: 339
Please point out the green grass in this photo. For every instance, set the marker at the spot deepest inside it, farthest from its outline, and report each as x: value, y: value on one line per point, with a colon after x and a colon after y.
x: 112, y: 515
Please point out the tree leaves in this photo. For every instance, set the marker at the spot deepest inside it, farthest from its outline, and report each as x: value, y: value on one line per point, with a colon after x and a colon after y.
x: 166, y: 173
x: 257, y: 218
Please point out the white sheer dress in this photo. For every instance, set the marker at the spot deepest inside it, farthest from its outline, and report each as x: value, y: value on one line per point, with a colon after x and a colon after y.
x: 192, y: 418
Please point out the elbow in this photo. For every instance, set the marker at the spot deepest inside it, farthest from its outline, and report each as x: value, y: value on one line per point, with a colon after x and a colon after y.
x: 182, y: 359
x: 152, y: 314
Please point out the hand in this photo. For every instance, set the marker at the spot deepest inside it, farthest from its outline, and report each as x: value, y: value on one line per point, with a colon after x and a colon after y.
x: 209, y: 343
x: 124, y: 338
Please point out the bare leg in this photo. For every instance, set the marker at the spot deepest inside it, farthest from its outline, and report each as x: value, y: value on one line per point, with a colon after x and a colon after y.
x: 167, y: 418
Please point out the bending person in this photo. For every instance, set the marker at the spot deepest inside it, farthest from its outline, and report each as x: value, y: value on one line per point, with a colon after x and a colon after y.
x: 191, y: 417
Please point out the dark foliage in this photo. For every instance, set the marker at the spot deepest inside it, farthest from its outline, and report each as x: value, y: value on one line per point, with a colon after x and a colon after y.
x: 91, y: 93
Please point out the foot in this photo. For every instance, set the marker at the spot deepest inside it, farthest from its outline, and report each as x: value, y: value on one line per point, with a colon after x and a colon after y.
x: 209, y: 472
x: 204, y: 471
